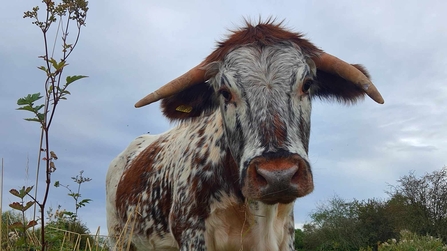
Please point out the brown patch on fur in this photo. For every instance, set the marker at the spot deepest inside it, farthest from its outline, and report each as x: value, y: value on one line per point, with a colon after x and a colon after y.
x: 304, y: 130
x: 273, y: 132
x: 201, y: 191
x: 262, y: 35
x: 135, y: 181
x: 280, y: 130
x: 231, y: 173
x: 334, y: 87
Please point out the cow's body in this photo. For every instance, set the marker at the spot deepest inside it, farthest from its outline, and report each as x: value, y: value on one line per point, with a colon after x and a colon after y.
x: 227, y: 176
x: 197, y: 203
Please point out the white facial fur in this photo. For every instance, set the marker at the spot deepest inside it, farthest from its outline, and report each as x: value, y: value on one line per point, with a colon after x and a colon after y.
x: 268, y: 111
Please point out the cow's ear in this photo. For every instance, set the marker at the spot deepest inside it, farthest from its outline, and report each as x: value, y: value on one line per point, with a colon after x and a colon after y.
x: 189, y: 103
x: 333, y: 87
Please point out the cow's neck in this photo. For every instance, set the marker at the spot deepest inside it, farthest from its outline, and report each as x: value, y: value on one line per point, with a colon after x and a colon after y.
x: 251, y: 225
x: 234, y: 220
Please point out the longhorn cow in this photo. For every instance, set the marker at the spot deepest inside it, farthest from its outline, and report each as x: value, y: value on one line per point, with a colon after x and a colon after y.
x: 226, y: 177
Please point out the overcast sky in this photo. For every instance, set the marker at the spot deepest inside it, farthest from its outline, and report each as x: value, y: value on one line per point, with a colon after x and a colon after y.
x: 129, y: 48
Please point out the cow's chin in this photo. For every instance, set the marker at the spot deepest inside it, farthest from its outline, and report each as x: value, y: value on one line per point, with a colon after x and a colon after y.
x: 270, y: 198
x: 281, y: 200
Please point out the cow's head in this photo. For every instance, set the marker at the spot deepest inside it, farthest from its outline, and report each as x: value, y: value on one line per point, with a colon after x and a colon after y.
x: 262, y: 79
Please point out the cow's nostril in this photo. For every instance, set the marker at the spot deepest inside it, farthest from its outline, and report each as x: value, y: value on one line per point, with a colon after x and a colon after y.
x: 261, y: 177
x: 278, y: 177
x: 296, y: 176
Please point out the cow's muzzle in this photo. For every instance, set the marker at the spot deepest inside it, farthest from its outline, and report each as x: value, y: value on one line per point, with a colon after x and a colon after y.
x: 277, y: 179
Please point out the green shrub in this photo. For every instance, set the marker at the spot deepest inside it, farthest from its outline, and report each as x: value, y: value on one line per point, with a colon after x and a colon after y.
x: 411, y: 242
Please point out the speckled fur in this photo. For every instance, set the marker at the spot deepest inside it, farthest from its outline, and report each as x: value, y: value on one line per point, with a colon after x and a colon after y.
x: 203, y: 199
x: 186, y: 189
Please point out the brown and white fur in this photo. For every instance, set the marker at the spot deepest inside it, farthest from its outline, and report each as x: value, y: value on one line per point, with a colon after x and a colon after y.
x: 226, y: 177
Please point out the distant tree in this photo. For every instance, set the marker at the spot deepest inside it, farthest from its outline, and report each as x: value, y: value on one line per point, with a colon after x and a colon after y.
x: 400, y: 213
x: 415, y: 204
x: 299, y: 238
x: 423, y: 201
x: 375, y: 222
x: 342, y: 225
x: 334, y: 226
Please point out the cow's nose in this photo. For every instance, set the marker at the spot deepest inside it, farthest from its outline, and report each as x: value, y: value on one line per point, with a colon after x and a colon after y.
x: 278, y: 179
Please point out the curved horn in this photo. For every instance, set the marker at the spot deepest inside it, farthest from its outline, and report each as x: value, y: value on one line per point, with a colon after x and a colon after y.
x: 331, y: 64
x: 194, y: 76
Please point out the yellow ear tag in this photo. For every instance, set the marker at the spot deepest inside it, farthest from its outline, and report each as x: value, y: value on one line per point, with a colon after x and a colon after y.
x: 184, y: 108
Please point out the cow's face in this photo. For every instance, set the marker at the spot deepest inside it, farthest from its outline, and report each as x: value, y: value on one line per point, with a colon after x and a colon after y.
x: 262, y: 79
x: 264, y: 97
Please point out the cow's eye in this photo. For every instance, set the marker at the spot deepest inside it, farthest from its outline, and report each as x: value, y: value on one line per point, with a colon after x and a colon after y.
x: 226, y: 94
x: 306, y: 85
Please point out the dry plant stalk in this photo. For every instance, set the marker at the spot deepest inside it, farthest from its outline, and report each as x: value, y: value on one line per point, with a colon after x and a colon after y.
x: 130, y: 223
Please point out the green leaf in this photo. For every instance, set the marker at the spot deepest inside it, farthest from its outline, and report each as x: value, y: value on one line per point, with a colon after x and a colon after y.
x: 32, y: 119
x: 56, y: 184
x: 35, y: 96
x: 22, y: 101
x: 28, y: 205
x: 74, y: 195
x: 71, y: 79
x: 42, y: 68
x: 53, y: 62
x: 83, y: 202
x: 61, y: 65
x: 37, y: 108
x: 22, y: 192
x: 40, y: 117
x: 26, y: 108
x: 28, y: 189
x: 56, y: 65
x: 29, y: 99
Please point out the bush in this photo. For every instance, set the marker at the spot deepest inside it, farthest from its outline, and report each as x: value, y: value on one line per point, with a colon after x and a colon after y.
x: 411, y: 242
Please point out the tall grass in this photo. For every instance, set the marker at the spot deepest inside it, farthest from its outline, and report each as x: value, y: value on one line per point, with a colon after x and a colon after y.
x: 71, y: 241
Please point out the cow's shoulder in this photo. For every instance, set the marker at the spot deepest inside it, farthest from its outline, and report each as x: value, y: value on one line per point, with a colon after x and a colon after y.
x: 121, y: 162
